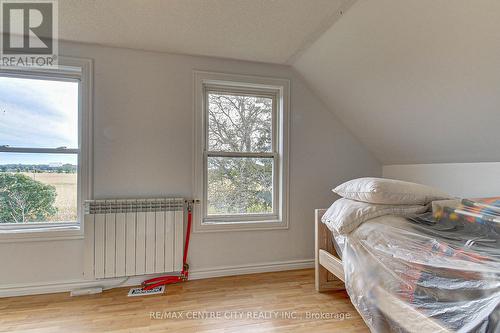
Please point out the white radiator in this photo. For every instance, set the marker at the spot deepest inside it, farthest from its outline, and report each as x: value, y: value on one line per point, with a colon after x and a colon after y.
x: 133, y: 237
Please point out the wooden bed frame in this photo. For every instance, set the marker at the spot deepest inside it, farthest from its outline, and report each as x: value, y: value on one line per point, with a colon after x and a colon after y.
x: 329, y: 276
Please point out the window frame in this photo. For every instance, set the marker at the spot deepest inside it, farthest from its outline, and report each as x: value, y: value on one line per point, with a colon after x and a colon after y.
x: 69, y: 69
x: 278, y: 90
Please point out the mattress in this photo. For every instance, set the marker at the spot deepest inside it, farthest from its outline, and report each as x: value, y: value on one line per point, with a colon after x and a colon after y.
x: 338, y: 244
x: 447, y: 270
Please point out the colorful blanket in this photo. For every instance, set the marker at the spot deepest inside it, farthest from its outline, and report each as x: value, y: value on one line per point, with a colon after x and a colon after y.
x: 483, y: 211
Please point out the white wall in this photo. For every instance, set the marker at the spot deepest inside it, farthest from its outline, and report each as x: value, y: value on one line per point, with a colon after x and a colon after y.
x: 143, y: 147
x: 417, y: 81
x: 461, y: 179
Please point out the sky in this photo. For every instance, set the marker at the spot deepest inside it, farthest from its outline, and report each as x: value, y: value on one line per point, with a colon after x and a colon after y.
x: 38, y: 114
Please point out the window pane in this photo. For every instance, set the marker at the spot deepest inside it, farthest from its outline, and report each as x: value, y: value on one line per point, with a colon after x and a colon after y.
x: 239, y: 123
x: 38, y: 188
x: 38, y: 113
x: 240, y: 185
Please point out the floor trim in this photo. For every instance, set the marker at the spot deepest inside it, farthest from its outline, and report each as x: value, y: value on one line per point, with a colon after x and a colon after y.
x: 66, y: 286
x: 251, y: 268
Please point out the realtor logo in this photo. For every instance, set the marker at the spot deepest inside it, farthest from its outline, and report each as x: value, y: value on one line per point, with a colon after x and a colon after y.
x: 29, y: 33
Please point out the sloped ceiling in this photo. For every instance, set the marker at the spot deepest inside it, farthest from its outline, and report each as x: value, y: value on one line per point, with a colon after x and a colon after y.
x: 417, y: 81
x: 257, y: 30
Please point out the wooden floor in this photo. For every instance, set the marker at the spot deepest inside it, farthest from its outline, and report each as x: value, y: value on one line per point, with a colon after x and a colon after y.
x: 269, y: 302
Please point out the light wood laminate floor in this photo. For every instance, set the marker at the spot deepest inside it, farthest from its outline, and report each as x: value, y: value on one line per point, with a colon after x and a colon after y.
x: 268, y: 302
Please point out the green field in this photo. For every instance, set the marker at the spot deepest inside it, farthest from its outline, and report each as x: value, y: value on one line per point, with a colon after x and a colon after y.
x: 66, y: 188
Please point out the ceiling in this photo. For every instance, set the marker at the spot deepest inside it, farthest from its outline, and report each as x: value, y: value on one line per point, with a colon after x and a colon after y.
x: 256, y: 30
x: 417, y: 81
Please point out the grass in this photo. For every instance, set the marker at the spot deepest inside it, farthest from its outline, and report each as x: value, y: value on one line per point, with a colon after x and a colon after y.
x: 66, y: 188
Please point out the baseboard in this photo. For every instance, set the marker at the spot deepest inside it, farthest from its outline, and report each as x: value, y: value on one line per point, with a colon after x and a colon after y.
x: 66, y: 286
x: 251, y: 268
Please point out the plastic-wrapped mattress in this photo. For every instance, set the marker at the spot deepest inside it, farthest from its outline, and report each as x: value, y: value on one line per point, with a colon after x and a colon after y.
x: 446, y: 265
x: 339, y: 244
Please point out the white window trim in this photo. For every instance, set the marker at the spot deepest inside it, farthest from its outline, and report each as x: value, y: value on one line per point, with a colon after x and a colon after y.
x: 278, y: 220
x: 61, y: 231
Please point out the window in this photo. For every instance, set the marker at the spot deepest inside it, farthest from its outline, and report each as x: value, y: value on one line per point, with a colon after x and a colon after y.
x: 44, y: 146
x: 242, y: 169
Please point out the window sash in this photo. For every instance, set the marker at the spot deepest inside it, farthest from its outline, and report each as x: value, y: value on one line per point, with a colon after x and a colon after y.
x: 239, y: 91
x: 60, y: 150
x: 243, y: 92
x: 274, y: 154
x: 274, y: 215
x: 64, y: 73
x: 48, y: 225
x: 239, y: 154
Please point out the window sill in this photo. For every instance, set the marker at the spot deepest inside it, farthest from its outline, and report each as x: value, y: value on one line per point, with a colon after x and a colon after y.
x: 219, y: 226
x: 36, y: 233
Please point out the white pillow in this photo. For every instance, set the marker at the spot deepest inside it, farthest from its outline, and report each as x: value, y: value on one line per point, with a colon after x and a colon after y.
x: 389, y: 191
x: 345, y: 215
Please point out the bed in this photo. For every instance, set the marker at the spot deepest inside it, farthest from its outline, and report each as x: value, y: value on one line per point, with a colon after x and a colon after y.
x: 416, y: 274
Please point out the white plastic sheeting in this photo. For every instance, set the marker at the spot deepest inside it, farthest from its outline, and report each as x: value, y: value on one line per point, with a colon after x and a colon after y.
x: 446, y: 266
